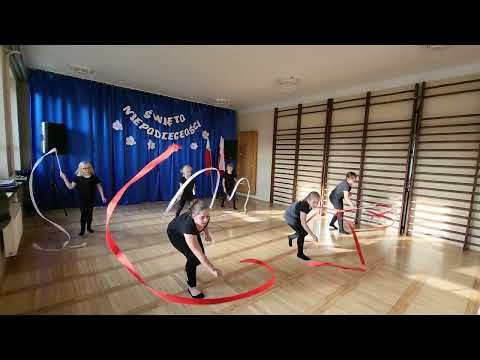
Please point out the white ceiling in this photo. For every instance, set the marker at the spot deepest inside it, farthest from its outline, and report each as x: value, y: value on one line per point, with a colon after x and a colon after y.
x: 247, y: 75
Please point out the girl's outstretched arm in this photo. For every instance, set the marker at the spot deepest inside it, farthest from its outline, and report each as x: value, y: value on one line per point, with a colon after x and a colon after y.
x: 68, y: 184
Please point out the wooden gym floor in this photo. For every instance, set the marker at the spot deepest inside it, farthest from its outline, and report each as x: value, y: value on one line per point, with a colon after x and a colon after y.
x: 405, y: 276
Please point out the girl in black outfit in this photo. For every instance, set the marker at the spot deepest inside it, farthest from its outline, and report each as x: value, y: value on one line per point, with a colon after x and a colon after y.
x: 296, y: 217
x: 341, y: 194
x: 184, y: 234
x: 85, y: 181
x: 189, y: 192
x: 228, y: 182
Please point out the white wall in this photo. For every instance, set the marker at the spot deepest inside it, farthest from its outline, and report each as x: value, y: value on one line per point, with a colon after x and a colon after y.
x: 3, y: 155
x: 15, y: 146
x: 3, y: 133
x: 262, y: 122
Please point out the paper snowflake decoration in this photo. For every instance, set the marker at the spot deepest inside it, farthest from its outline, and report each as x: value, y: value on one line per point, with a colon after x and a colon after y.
x: 194, y: 146
x: 117, y: 125
x: 130, y: 141
x: 205, y: 134
x: 150, y: 145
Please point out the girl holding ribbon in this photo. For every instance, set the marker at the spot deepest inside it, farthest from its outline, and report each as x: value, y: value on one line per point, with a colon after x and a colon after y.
x: 85, y: 182
x: 184, y: 234
x: 189, y: 192
x: 296, y: 217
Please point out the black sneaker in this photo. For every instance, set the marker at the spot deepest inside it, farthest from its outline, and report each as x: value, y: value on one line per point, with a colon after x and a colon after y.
x: 90, y: 231
x: 344, y: 232
x: 333, y: 227
x: 303, y: 257
x: 290, y: 239
x: 199, y: 296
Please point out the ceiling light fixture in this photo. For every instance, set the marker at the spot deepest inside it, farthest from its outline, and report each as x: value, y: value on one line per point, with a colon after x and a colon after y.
x: 288, y: 84
x: 82, y: 71
x: 222, y: 101
x: 433, y: 47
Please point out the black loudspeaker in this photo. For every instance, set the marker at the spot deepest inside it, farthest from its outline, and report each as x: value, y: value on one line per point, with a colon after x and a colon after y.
x: 54, y: 136
x: 230, y: 150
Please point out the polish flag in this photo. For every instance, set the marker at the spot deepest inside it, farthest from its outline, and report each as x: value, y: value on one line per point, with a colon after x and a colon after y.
x: 221, y: 157
x: 208, y: 156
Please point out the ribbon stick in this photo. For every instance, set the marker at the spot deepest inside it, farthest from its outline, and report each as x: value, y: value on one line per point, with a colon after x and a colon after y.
x: 30, y: 183
x: 354, y: 232
x: 122, y: 258
x: 177, y: 196
x: 235, y: 189
x: 189, y: 180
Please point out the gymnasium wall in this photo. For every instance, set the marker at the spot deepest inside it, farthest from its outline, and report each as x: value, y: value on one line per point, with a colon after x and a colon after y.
x: 262, y: 123
x: 446, y: 200
x: 377, y: 145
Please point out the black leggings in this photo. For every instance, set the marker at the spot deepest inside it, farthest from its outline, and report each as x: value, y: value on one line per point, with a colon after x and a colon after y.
x: 86, y: 216
x: 225, y: 197
x: 301, y: 233
x: 338, y: 205
x: 181, y: 205
x: 192, y: 261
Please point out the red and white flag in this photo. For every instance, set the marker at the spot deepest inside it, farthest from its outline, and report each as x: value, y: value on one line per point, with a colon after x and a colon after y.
x: 221, y: 156
x: 208, y: 156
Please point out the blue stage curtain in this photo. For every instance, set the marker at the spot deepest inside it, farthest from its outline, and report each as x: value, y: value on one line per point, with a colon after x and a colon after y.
x: 89, y: 110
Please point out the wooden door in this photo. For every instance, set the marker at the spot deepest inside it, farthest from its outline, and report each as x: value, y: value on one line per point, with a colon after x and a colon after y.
x: 247, y: 160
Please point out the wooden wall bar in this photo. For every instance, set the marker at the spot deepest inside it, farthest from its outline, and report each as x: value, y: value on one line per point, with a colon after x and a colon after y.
x: 446, y: 162
x: 311, y: 152
x: 415, y: 147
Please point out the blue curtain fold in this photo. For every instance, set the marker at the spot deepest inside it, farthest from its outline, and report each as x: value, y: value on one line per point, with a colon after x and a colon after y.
x: 89, y: 111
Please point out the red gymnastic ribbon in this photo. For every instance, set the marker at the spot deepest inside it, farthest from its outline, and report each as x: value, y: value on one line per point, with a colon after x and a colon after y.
x: 121, y: 257
x: 354, y: 231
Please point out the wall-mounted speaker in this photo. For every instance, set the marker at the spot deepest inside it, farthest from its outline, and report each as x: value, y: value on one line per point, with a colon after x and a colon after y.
x: 54, y: 136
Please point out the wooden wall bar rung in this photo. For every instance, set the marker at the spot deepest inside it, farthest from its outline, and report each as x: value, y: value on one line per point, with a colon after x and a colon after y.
x: 391, y: 101
x: 349, y: 107
x: 444, y: 158
x: 352, y: 124
x: 456, y: 133
x: 449, y: 125
x: 383, y: 136
x: 450, y: 191
x: 349, y: 100
x: 314, y: 112
x: 450, y: 116
x: 391, y: 121
x: 393, y: 128
x: 453, y: 84
x: 453, y: 93
x: 434, y: 197
x: 312, y: 106
x: 393, y: 93
x: 313, y: 127
x: 287, y: 109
